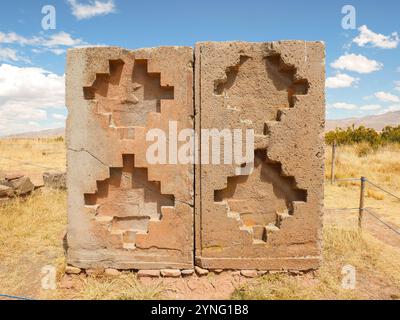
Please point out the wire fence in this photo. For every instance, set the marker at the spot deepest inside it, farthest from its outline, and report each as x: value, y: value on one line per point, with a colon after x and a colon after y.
x: 363, y: 182
x: 362, y: 208
x: 373, y: 214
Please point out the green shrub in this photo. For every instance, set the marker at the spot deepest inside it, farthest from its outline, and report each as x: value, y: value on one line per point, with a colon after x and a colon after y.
x: 362, y: 134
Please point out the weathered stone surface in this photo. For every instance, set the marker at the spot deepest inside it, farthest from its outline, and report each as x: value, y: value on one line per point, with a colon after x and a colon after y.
x: 187, y: 272
x: 6, y: 192
x: 148, y: 273
x: 171, y: 273
x: 201, y: 271
x: 124, y: 212
x: 112, y: 272
x: 54, y: 179
x: 218, y: 271
x: 21, y: 186
x: 72, y: 270
x: 271, y: 215
x: 13, y: 176
x: 249, y: 273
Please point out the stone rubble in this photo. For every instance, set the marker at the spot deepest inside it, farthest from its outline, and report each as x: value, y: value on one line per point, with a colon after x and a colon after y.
x: 55, y: 180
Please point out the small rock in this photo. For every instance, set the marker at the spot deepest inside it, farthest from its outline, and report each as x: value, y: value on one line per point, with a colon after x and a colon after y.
x: 112, y: 272
x: 5, y: 183
x: 261, y: 273
x: 6, y: 192
x: 22, y: 186
x: 201, y: 271
x: 171, y: 273
x: 72, y: 270
x: 249, y: 273
x: 218, y: 271
x: 55, y: 180
x: 13, y: 176
x: 148, y: 273
x: 187, y: 272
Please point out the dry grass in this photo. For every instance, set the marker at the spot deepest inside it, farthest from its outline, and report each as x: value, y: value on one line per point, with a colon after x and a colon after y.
x: 376, y: 265
x: 381, y: 166
x: 31, y: 237
x: 32, y: 156
x: 124, y: 287
x: 31, y: 232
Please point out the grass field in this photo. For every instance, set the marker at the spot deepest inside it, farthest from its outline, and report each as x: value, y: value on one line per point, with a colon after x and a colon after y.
x: 32, y: 156
x: 380, y: 166
x: 32, y: 231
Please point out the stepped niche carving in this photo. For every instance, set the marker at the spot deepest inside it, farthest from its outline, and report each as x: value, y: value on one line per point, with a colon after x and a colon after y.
x: 262, y: 200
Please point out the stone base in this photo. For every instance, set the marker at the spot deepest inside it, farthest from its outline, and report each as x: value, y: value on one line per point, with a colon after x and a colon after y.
x: 266, y: 264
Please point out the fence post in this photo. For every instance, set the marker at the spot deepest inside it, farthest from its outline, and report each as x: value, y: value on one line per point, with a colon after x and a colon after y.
x: 333, y: 162
x: 362, y: 197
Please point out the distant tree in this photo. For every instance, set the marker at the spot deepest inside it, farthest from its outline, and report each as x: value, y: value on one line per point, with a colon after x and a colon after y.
x: 354, y: 135
x: 390, y: 134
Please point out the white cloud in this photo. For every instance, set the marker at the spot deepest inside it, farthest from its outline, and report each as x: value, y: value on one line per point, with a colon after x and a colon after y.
x: 357, y: 63
x: 55, y: 43
x: 341, y: 80
x: 343, y: 105
x: 370, y: 107
x: 386, y: 97
x: 92, y: 9
x: 397, y: 85
x: 352, y: 106
x: 368, y: 98
x: 393, y: 108
x: 32, y: 84
x: 58, y: 51
x: 12, y: 37
x: 61, y: 39
x: 14, y: 111
x: 58, y: 116
x: 368, y: 37
x: 25, y: 94
x: 7, y: 54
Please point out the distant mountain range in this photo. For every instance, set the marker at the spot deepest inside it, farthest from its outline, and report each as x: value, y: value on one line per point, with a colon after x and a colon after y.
x: 377, y: 122
x: 49, y: 133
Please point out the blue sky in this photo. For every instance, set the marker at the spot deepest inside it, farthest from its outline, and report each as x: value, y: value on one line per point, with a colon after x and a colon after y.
x: 363, y: 65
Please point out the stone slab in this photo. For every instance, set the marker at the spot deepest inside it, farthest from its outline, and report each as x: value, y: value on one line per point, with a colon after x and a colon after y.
x: 269, y: 217
x: 123, y: 212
